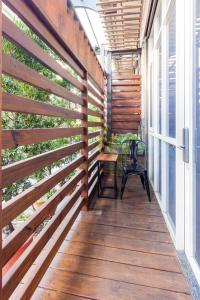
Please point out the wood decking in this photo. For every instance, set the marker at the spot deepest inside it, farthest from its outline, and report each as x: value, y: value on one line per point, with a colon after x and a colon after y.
x: 121, y: 250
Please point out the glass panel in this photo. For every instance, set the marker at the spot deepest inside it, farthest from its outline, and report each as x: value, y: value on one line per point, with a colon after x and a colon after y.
x: 197, y: 254
x: 160, y: 89
x: 151, y: 98
x: 160, y: 169
x: 172, y: 75
x: 172, y: 183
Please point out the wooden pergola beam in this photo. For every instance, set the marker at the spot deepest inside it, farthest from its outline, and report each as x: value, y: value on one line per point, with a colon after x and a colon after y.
x: 121, y: 20
x: 122, y: 26
x: 106, y: 15
x: 112, y: 2
x: 122, y: 7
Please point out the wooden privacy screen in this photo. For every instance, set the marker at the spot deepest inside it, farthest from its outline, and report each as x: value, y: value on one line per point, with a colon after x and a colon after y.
x: 126, y: 103
x: 73, y: 95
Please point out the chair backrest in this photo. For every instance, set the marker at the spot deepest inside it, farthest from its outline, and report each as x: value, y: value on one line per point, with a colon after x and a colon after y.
x: 133, y: 153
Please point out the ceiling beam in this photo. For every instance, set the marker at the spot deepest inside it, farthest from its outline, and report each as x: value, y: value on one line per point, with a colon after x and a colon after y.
x: 121, y: 20
x: 122, y: 7
x: 119, y: 14
x: 112, y: 2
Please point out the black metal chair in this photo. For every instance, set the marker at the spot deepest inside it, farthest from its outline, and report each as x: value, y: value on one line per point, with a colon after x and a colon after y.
x: 134, y: 162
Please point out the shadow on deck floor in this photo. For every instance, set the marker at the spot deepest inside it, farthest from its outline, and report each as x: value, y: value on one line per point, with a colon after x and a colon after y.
x: 120, y: 250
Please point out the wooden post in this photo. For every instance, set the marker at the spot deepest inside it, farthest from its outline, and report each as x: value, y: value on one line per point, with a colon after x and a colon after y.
x: 84, y: 138
x: 1, y: 147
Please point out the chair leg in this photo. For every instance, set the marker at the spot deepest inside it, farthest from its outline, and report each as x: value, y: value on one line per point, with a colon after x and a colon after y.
x: 142, y: 180
x: 146, y: 181
x: 124, y: 180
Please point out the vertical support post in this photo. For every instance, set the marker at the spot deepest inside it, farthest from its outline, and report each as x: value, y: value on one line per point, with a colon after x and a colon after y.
x: 0, y: 146
x: 84, y: 138
x: 109, y: 96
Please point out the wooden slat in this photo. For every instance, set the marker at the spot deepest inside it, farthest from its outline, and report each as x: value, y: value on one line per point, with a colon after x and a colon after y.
x: 124, y: 7
x: 31, y: 19
x: 93, y: 156
x: 40, y: 269
x: 18, y: 204
x: 95, y: 103
x: 92, y: 168
x: 16, y: 239
x: 15, y: 274
x: 94, y: 113
x: 20, y: 137
x: 110, y: 16
x: 94, y: 92
x: 92, y: 179
x: 112, y: 2
x: 57, y: 19
x: 94, y: 134
x: 122, y: 20
x: 13, y: 33
x: 19, y: 104
x: 20, y: 71
x: 19, y: 170
x: 93, y: 145
x: 95, y: 124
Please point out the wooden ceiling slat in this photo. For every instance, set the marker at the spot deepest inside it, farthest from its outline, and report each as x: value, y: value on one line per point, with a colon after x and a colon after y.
x: 122, y: 7
x: 121, y: 20
x: 106, y: 15
x: 112, y: 2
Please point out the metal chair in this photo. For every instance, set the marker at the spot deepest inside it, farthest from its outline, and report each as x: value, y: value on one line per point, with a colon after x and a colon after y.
x: 134, y: 162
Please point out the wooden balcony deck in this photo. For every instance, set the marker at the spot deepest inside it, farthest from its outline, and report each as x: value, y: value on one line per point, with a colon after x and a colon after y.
x: 121, y: 250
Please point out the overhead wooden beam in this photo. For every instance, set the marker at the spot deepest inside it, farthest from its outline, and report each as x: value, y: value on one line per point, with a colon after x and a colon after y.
x: 119, y: 8
x: 124, y: 25
x: 121, y: 20
x: 112, y: 2
x: 131, y: 30
x: 106, y: 15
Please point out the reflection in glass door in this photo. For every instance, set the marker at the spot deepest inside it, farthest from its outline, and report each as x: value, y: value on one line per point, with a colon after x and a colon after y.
x: 197, y: 64
x: 171, y: 116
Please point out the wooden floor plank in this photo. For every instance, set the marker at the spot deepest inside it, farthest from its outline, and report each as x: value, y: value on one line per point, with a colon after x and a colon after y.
x: 123, y: 222
x: 104, y: 289
x: 121, y: 272
x: 42, y: 293
x: 109, y: 204
x: 147, y: 260
x: 121, y: 250
x: 122, y: 243
x: 130, y: 233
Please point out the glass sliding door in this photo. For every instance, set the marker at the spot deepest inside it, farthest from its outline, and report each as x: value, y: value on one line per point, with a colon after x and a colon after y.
x: 197, y: 64
x: 172, y: 183
x: 172, y: 74
x: 171, y: 116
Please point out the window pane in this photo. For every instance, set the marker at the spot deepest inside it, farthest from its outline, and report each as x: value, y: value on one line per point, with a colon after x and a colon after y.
x: 160, y: 90
x: 151, y: 98
x: 172, y: 75
x: 172, y: 183
x: 160, y: 169
x: 198, y: 132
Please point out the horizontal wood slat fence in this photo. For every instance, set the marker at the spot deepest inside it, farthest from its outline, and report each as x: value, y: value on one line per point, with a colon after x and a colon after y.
x: 126, y: 103
x: 78, y: 83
